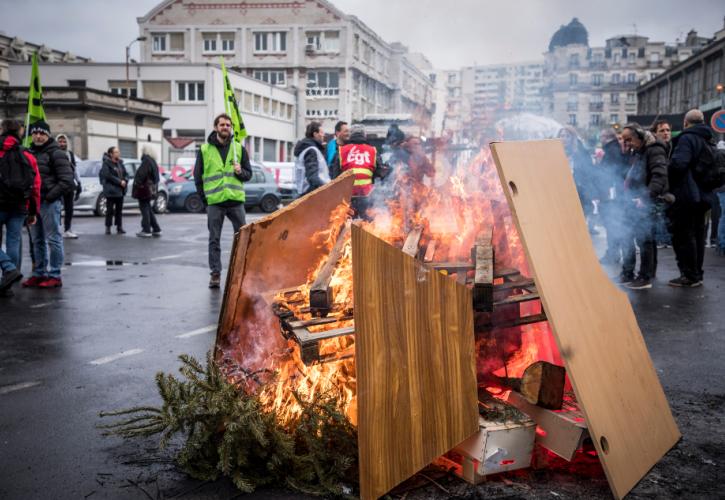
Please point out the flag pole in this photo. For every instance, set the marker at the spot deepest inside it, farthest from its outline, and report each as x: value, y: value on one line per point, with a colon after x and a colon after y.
x: 225, y: 79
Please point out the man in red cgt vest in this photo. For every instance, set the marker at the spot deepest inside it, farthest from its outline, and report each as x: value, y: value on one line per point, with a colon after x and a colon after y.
x: 362, y: 158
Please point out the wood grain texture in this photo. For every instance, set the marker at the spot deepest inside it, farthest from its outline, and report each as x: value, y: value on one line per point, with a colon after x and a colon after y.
x: 592, y: 320
x: 415, y: 362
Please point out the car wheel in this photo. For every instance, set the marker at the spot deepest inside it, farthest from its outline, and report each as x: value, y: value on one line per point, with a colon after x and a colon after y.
x: 194, y: 204
x: 160, y: 203
x: 101, y: 206
x: 269, y: 203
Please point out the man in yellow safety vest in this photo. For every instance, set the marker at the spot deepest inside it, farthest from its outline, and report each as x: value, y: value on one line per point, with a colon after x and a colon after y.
x: 222, y: 166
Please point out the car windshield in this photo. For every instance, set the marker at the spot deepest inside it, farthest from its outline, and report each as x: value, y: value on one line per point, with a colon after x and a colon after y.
x: 88, y: 168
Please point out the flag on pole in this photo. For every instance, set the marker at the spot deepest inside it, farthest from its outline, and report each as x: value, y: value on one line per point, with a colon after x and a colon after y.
x: 232, y: 107
x: 35, y: 101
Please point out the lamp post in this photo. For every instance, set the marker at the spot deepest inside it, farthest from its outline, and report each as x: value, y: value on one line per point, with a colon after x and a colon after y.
x: 720, y: 89
x: 128, y: 54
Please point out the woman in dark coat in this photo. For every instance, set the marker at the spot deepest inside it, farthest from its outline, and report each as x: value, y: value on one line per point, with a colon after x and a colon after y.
x: 145, y: 187
x: 114, y: 179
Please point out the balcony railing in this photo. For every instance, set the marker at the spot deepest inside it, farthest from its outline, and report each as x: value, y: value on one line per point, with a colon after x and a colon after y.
x: 323, y: 92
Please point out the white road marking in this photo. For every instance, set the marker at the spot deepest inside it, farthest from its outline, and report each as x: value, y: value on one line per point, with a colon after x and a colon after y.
x: 38, y: 306
x: 198, y: 331
x: 167, y: 257
x: 114, y: 357
x: 18, y: 387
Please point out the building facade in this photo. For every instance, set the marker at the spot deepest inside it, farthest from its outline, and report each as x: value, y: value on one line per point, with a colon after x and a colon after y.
x: 338, y: 66
x: 15, y: 49
x: 191, y: 96
x: 593, y: 87
x: 693, y: 83
x: 93, y: 120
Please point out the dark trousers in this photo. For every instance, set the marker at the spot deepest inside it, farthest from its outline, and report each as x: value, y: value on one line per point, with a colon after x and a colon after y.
x: 612, y: 216
x: 215, y: 215
x: 114, y: 210
x: 68, y: 210
x: 688, y: 238
x: 360, y: 205
x: 715, y: 214
x: 643, y: 236
x: 148, y: 217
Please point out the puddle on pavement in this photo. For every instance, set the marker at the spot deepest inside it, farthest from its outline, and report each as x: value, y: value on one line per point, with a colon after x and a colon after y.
x: 105, y: 263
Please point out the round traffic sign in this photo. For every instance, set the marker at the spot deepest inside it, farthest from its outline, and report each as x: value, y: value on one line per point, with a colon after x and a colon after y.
x: 717, y: 122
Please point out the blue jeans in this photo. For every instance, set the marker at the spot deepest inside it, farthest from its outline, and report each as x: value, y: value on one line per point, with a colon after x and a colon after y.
x: 48, y: 241
x: 721, y: 225
x: 10, y: 258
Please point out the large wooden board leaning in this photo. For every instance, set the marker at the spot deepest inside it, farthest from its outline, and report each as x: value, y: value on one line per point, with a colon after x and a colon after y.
x: 415, y: 362
x: 278, y: 251
x: 595, y: 328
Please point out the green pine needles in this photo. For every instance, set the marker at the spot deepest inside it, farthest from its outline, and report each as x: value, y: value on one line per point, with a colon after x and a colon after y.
x: 228, y: 432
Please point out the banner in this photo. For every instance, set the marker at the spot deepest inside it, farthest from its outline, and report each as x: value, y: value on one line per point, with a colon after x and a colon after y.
x: 35, y: 101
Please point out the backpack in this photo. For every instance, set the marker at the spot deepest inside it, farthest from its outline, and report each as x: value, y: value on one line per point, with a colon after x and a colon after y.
x: 709, y: 173
x: 16, y: 177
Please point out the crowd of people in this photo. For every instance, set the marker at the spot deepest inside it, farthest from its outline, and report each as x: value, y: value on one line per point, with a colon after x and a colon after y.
x: 40, y: 183
x: 652, y: 190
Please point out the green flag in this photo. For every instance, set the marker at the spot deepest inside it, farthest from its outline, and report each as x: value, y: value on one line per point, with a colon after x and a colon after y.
x: 35, y: 101
x: 231, y: 107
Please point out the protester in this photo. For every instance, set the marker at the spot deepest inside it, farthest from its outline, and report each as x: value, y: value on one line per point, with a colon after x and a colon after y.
x: 311, y: 169
x: 662, y: 130
x: 720, y: 192
x: 221, y: 169
x: 687, y: 214
x: 114, y: 179
x: 646, y: 181
x: 342, y: 134
x: 582, y: 169
x: 69, y: 198
x: 362, y: 158
x: 145, y: 188
x: 19, y: 198
x: 56, y: 177
x: 612, y: 170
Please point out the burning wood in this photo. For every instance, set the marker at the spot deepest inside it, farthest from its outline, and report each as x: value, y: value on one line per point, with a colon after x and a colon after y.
x: 411, y: 242
x: 321, y: 295
x: 542, y: 384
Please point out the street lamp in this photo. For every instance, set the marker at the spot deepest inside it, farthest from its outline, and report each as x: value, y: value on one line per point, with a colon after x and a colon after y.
x: 128, y: 54
x: 720, y: 89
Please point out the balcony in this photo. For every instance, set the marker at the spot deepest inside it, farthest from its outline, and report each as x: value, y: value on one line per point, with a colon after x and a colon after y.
x: 322, y: 92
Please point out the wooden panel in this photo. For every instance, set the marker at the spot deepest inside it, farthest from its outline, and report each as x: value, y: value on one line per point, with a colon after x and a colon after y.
x: 592, y: 320
x: 415, y: 361
x: 278, y: 251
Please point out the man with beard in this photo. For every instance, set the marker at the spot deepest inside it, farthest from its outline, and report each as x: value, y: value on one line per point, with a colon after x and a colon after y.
x: 221, y: 169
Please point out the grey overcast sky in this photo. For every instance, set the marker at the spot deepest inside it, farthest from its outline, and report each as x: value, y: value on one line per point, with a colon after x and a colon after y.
x: 450, y: 33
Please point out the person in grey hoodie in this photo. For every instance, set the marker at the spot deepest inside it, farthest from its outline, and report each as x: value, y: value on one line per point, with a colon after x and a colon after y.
x: 114, y: 179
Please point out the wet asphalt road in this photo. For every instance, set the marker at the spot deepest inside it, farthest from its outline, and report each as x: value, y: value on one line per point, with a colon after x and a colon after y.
x: 95, y: 344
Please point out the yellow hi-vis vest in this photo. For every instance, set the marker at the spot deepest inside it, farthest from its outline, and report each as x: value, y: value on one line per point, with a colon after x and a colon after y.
x: 220, y: 182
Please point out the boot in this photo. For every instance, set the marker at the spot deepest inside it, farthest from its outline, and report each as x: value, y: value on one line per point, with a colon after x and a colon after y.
x: 108, y: 229
x: 119, y: 230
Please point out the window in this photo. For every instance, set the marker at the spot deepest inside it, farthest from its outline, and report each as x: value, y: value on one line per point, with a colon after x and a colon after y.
x: 248, y: 102
x: 631, y: 78
x: 118, y: 87
x: 271, y: 77
x: 323, y: 83
x: 265, y: 105
x: 596, y: 79
x: 614, y: 118
x: 631, y: 98
x: 269, y: 150
x: 257, y: 104
x: 210, y: 42
x: 270, y: 41
x: 616, y: 78
x: 128, y: 149
x: 76, y: 83
x: 167, y: 42
x: 157, y: 91
x: 614, y: 98
x: 573, y: 60
x: 227, y: 42
x: 632, y: 58
x: 159, y: 43
x: 321, y: 113
x: 190, y: 91
x: 572, y: 120
x: 323, y: 41
x: 573, y: 79
x: 215, y: 43
x: 594, y: 120
x: 654, y: 57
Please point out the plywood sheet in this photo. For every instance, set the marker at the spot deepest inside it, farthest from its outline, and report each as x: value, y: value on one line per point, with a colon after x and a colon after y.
x: 415, y: 361
x: 593, y: 323
x: 278, y: 251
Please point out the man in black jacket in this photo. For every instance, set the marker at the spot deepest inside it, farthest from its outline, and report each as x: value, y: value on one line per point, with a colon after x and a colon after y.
x: 311, y: 169
x: 69, y: 198
x: 645, y: 182
x: 687, y: 214
x: 56, y: 177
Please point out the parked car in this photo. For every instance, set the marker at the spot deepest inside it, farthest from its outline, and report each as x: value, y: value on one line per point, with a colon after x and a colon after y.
x: 92, y: 196
x: 284, y: 176
x: 261, y: 191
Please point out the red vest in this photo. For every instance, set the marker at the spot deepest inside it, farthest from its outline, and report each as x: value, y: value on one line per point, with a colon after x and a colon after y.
x: 360, y: 158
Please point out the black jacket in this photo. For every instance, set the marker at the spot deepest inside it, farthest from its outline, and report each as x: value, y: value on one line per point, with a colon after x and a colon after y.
x: 647, y: 178
x: 111, y: 175
x: 312, y: 166
x: 336, y: 168
x: 56, y: 173
x: 147, y: 173
x: 686, y: 154
x: 245, y: 176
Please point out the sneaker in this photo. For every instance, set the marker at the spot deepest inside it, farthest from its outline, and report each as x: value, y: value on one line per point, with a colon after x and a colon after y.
x: 639, y: 284
x: 33, y: 281
x: 70, y: 235
x: 119, y: 230
x: 157, y: 234
x: 684, y: 282
x: 215, y: 280
x: 51, y: 283
x: 143, y: 234
x: 108, y: 230
x: 624, y: 279
x: 9, y: 279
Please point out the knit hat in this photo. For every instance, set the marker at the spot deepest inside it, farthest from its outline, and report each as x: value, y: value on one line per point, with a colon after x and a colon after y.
x: 61, y: 136
x: 39, y: 126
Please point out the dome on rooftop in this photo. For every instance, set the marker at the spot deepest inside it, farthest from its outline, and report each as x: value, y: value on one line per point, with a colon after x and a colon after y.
x: 573, y: 33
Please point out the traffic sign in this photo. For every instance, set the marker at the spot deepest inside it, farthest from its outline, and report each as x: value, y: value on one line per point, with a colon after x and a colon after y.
x: 717, y: 122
